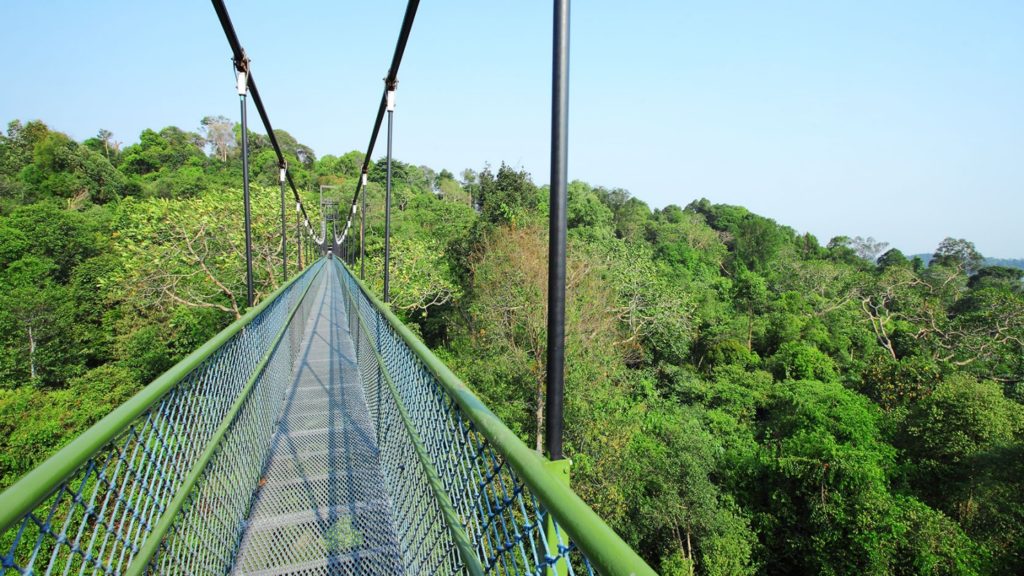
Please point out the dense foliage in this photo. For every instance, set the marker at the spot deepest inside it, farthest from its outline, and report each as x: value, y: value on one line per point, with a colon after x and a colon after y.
x: 740, y: 398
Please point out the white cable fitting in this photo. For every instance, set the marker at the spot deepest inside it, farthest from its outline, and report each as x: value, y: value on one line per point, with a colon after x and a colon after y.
x: 391, y: 101
x: 364, y: 179
x: 284, y: 172
x: 298, y: 207
x: 243, y: 81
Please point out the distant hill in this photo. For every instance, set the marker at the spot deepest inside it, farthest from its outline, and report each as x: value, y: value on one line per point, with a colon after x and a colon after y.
x: 1008, y: 262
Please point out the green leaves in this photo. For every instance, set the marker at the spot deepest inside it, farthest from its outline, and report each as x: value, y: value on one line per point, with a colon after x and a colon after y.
x: 190, y: 252
x: 668, y: 468
x: 506, y: 197
x: 421, y: 275
x: 740, y: 399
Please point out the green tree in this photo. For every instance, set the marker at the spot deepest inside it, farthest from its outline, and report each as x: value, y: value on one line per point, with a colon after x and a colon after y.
x: 680, y: 513
x: 506, y: 197
x: 29, y: 300
x: 961, y: 419
x: 17, y: 148
x: 189, y: 252
x: 892, y: 257
x: 796, y: 360
x: 958, y: 253
x: 421, y: 275
x: 821, y: 493
x: 585, y: 211
x: 631, y: 220
x: 58, y: 416
x: 964, y: 444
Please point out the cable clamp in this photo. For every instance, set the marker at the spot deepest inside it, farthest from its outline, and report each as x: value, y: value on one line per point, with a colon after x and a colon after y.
x: 391, y: 100
x: 364, y: 179
x: 284, y: 172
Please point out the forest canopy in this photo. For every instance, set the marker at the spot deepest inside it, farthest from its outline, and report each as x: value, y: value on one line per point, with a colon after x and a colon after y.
x: 741, y: 398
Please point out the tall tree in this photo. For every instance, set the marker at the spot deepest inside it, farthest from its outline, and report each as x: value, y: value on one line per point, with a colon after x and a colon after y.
x: 219, y: 133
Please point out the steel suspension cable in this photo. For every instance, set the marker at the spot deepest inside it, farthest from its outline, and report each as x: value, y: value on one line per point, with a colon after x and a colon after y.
x: 390, y: 84
x: 241, y: 61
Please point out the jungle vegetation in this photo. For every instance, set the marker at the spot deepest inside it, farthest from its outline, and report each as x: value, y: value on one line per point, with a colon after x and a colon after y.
x: 741, y: 397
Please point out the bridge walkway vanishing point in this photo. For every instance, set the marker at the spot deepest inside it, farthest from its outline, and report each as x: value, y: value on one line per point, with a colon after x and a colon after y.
x: 321, y: 505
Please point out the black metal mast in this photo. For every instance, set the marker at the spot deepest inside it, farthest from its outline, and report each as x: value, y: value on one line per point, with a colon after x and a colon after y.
x: 557, y: 230
x: 387, y: 201
x: 284, y: 230
x: 243, y: 73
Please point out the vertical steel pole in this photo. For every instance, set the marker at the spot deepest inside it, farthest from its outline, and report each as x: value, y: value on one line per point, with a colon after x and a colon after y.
x: 362, y: 233
x: 387, y: 202
x: 284, y: 233
x: 558, y: 465
x: 298, y: 236
x: 243, y: 78
x: 557, y: 230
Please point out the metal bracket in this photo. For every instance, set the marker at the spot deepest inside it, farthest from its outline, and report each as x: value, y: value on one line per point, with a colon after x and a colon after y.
x: 243, y: 82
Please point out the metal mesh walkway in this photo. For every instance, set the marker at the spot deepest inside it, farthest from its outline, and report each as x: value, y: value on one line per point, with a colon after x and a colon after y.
x: 321, y: 506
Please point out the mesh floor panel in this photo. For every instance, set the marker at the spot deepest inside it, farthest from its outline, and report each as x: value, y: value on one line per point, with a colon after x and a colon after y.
x: 322, y: 507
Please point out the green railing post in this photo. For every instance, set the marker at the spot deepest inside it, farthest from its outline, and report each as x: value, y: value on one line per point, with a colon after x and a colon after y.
x: 560, y: 470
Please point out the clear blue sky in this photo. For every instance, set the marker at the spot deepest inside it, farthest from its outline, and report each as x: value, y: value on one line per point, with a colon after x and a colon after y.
x: 899, y: 120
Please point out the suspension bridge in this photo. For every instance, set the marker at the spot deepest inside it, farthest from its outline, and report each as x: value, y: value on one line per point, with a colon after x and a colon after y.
x: 317, y: 434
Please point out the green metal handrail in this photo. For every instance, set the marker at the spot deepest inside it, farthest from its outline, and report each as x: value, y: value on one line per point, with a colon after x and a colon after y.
x: 605, y: 550
x: 131, y: 471
x: 153, y: 543
x: 449, y: 515
x: 28, y: 492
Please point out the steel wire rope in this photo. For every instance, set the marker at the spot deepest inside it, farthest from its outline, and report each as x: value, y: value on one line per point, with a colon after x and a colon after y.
x: 241, y: 63
x: 390, y: 84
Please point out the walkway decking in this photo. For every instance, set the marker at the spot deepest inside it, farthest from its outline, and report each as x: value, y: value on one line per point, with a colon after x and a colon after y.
x: 322, y: 507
